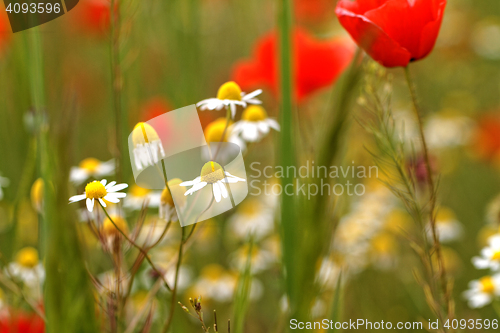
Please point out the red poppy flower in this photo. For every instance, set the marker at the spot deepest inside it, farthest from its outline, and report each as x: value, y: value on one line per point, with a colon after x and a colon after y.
x: 393, y: 32
x: 22, y: 323
x: 487, y: 138
x: 318, y: 63
x: 5, y: 30
x: 94, y: 16
x: 155, y: 107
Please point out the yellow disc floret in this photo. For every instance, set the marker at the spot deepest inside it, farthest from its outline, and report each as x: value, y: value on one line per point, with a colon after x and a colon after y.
x: 496, y: 256
x: 229, y: 90
x: 109, y: 229
x: 90, y: 164
x: 27, y: 257
x: 211, y: 172
x: 215, y: 130
x: 487, y: 285
x: 137, y: 191
x: 95, y: 190
x: 178, y: 192
x: 144, y: 133
x: 254, y: 113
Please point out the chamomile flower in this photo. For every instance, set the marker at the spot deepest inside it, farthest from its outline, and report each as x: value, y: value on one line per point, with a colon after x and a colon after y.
x: 138, y: 195
x: 253, y: 218
x: 230, y: 96
x: 215, y: 283
x: 490, y: 255
x: 90, y: 167
x: 167, y: 206
x: 212, y: 173
x: 448, y: 228
x: 27, y: 267
x: 148, y: 149
x: 4, y: 182
x: 100, y: 191
x: 483, y: 291
x: 214, y: 132
x: 254, y: 124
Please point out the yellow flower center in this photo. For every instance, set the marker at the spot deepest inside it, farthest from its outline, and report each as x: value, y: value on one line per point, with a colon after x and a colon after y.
x: 496, y: 256
x: 229, y: 90
x: 383, y: 244
x: 250, y: 208
x: 143, y: 133
x: 166, y: 195
x: 254, y: 113
x: 487, y: 285
x: 138, y: 191
x: 445, y: 215
x: 212, y: 272
x: 90, y: 164
x: 214, y: 131
x: 108, y: 228
x: 37, y: 194
x: 95, y: 190
x: 27, y: 257
x: 211, y: 172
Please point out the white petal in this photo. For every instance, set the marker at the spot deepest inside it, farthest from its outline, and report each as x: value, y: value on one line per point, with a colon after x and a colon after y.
x: 195, y: 188
x: 250, y: 133
x: 230, y: 180
x: 263, y: 127
x: 90, y: 204
x: 76, y: 198
x: 78, y: 175
x: 252, y: 94
x: 216, y: 191
x: 238, y: 178
x: 117, y: 188
x: 103, y: 182
x: 191, y: 182
x: 110, y: 184
x: 102, y: 202
x: 273, y: 124
x: 223, y: 189
x: 233, y: 110
x: 105, y: 168
x: 112, y: 198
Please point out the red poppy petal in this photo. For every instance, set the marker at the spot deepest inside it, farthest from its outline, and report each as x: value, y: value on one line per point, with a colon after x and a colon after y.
x: 430, y: 32
x: 373, y: 39
x: 360, y: 7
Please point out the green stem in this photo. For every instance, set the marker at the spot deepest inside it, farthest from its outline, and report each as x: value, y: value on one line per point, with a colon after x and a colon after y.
x: 287, y: 153
x: 431, y: 189
x: 174, y: 292
x: 144, y: 253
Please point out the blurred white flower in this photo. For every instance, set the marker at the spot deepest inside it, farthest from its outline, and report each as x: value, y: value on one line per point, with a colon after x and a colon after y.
x: 483, y: 291
x: 137, y: 195
x: 230, y: 95
x: 27, y: 267
x: 490, y: 255
x: 100, y: 191
x: 90, y: 167
x: 485, y: 39
x: 252, y: 219
x: 448, y: 228
x: 254, y: 124
x: 448, y: 132
x: 260, y: 259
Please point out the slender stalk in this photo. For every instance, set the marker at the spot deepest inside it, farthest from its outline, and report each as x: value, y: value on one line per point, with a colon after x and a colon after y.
x: 146, y: 256
x: 117, y: 85
x: 431, y: 189
x: 174, y: 291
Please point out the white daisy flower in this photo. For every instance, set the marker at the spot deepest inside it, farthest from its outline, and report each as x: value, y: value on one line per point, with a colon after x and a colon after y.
x: 148, y: 149
x: 90, y: 167
x: 27, y: 267
x: 490, y: 255
x: 100, y: 191
x: 483, y: 291
x: 212, y: 173
x: 448, y: 228
x: 448, y: 132
x: 253, y: 218
x: 4, y: 182
x: 230, y: 96
x: 254, y: 124
x: 260, y: 259
x: 137, y: 195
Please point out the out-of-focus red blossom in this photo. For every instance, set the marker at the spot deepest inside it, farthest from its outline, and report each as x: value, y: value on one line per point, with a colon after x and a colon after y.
x: 419, y: 167
x: 313, y: 9
x: 5, y: 30
x: 393, y: 32
x: 155, y: 107
x: 486, y: 141
x: 94, y: 16
x: 22, y: 323
x: 317, y: 63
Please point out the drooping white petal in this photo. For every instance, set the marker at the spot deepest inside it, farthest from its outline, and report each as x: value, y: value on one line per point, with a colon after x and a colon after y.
x: 191, y: 182
x: 216, y: 190
x: 102, y: 202
x: 238, y: 178
x: 103, y: 182
x: 251, y: 95
x: 112, y: 198
x: 105, y: 168
x: 263, y: 127
x: 233, y: 110
x: 250, y: 133
x: 117, y: 187
x: 76, y: 198
x: 273, y: 124
x: 90, y: 204
x: 230, y: 180
x: 223, y: 189
x: 110, y: 185
x: 195, y: 188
